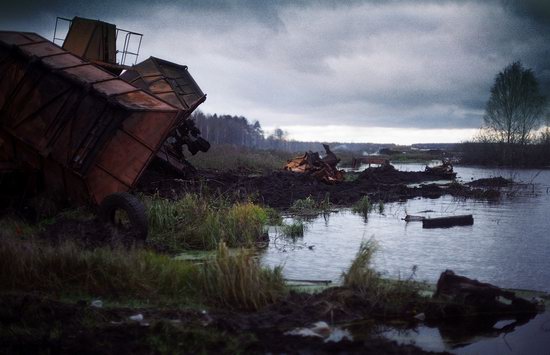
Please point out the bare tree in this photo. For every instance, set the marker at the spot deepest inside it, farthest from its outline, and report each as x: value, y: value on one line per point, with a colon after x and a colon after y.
x: 515, y: 107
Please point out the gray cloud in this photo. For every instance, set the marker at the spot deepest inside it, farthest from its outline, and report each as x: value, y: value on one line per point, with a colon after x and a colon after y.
x: 418, y: 64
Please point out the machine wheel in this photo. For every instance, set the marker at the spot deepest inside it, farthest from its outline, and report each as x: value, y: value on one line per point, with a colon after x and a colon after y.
x: 126, y: 213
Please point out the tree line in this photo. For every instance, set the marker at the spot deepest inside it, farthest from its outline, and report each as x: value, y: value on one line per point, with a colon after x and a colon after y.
x: 239, y: 131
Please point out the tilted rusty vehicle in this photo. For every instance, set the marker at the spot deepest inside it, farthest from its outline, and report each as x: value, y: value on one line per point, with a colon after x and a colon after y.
x: 82, y: 132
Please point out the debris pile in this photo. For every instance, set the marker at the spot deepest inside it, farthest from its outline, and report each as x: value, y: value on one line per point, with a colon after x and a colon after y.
x: 312, y: 164
x: 445, y: 170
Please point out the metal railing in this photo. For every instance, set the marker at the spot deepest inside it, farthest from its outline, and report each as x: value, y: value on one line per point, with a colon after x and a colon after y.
x: 122, y: 56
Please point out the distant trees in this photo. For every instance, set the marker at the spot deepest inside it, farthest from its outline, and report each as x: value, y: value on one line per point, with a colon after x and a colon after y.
x: 515, y: 107
x: 238, y: 131
x: 513, y: 115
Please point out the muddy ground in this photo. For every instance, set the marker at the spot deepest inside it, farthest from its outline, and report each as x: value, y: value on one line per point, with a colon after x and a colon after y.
x: 30, y: 323
x: 281, y: 189
x: 34, y: 324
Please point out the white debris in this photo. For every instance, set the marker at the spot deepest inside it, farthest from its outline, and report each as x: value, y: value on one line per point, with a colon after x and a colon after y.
x: 136, y: 317
x: 420, y: 316
x: 324, y: 331
x: 97, y: 303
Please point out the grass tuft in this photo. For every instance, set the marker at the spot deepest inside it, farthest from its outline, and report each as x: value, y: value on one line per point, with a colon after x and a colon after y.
x: 293, y: 230
x: 239, y: 281
x: 363, y: 206
x: 309, y: 206
x: 386, y: 297
x: 361, y: 276
x: 196, y: 222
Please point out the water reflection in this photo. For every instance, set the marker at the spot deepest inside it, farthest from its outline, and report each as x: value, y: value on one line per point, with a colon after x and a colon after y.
x: 506, y: 246
x: 514, y: 336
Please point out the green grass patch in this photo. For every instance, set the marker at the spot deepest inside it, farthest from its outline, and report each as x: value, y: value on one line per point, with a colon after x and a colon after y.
x: 113, y: 272
x: 294, y: 229
x: 197, y: 222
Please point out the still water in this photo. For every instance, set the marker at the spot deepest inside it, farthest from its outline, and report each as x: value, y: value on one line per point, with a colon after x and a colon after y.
x: 508, y: 245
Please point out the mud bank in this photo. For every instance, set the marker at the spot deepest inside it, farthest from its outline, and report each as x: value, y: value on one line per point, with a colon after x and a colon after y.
x: 281, y: 189
x: 33, y: 324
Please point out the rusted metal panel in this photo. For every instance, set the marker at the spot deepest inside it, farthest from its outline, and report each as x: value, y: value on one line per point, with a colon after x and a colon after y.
x: 62, y: 61
x: 41, y: 49
x: 114, y: 87
x: 170, y: 81
x: 137, y: 126
x: 65, y: 113
x: 102, y: 184
x: 88, y: 74
x: 92, y: 39
x: 126, y: 165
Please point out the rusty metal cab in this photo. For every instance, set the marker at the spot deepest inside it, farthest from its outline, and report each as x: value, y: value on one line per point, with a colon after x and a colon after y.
x: 174, y: 84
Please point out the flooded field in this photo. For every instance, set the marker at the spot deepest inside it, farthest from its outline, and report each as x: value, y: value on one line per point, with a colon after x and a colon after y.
x: 507, y: 245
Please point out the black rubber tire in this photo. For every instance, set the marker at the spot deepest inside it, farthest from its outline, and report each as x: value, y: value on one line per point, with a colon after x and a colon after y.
x: 134, y: 209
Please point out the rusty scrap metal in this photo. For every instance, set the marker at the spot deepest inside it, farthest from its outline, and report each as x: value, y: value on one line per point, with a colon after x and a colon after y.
x: 445, y: 170
x: 87, y: 130
x: 174, y: 84
x: 311, y: 163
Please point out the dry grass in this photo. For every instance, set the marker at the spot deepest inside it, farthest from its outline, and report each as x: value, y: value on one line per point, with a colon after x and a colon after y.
x: 360, y: 275
x: 239, y: 281
x: 235, y: 281
x: 386, y: 297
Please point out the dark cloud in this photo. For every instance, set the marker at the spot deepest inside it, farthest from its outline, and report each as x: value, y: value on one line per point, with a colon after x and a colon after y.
x: 410, y: 64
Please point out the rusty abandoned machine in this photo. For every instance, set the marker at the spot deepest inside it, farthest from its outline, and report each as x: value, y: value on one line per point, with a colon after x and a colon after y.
x: 77, y: 122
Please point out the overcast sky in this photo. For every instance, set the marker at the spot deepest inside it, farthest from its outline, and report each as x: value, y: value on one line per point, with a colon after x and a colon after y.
x: 377, y: 71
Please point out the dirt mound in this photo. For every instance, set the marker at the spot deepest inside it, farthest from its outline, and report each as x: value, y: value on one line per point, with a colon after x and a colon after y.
x: 389, y: 175
x: 491, y: 182
x: 281, y: 188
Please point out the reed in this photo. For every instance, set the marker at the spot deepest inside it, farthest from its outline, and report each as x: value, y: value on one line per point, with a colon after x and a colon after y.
x: 239, y: 282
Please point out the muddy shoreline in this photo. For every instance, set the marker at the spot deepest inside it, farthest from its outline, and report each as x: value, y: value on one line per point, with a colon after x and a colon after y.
x: 281, y: 188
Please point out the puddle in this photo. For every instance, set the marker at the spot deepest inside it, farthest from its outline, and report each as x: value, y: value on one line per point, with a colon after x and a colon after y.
x: 503, y: 337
